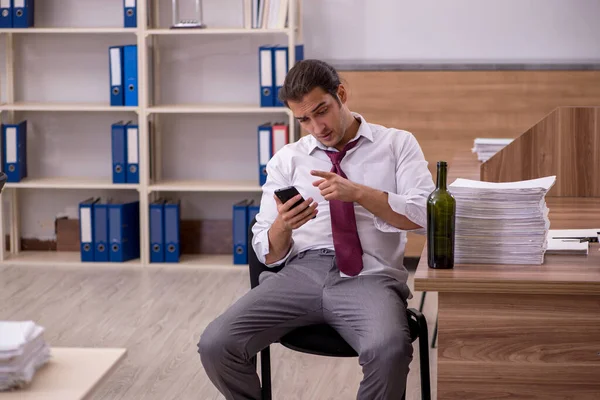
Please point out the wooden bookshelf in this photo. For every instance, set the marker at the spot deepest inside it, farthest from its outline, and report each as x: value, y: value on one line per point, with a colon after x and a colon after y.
x: 146, y: 37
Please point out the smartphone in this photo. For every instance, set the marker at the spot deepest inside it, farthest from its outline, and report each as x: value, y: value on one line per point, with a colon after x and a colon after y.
x: 286, y: 193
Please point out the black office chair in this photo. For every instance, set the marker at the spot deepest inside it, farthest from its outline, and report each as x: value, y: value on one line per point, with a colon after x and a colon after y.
x: 323, y: 340
x: 3, y: 180
x: 435, y: 328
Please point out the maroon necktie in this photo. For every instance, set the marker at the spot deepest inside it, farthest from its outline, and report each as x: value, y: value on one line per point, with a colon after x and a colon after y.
x: 348, y: 251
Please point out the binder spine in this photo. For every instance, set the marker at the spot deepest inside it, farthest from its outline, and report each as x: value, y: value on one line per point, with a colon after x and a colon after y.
x: 129, y: 14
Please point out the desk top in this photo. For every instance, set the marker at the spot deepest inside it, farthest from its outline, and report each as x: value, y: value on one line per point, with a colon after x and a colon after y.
x: 560, y: 274
x: 71, y: 374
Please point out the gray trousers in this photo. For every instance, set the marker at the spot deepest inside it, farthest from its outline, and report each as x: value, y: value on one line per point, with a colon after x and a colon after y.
x: 368, y: 311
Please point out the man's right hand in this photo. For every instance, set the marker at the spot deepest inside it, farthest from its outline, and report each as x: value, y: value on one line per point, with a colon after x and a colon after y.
x: 288, y: 219
x: 293, y: 218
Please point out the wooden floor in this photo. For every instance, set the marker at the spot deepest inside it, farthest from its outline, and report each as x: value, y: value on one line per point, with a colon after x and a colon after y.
x: 158, y: 314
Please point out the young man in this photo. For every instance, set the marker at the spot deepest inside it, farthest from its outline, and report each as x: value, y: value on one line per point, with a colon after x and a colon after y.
x: 365, y: 186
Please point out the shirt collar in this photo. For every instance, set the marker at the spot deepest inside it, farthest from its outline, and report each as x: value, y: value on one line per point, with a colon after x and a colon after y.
x: 363, y: 130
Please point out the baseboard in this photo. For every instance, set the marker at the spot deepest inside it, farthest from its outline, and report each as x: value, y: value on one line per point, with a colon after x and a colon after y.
x: 197, y: 237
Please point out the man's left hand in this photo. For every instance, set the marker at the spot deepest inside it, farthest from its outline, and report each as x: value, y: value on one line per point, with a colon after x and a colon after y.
x: 334, y: 187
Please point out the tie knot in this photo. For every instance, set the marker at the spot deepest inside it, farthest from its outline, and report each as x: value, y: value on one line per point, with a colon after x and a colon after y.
x: 336, y: 156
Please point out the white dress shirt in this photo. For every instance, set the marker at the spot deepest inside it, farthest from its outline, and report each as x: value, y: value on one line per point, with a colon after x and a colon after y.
x: 387, y: 159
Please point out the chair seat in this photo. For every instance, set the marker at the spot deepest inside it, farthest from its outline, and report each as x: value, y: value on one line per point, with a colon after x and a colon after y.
x: 319, y: 339
x: 323, y: 340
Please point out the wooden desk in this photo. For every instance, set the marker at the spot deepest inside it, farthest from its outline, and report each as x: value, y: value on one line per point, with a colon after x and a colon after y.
x: 71, y: 374
x: 520, y: 331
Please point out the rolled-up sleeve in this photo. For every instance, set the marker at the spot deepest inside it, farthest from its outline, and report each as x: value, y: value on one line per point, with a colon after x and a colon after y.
x: 268, y: 213
x: 414, y: 184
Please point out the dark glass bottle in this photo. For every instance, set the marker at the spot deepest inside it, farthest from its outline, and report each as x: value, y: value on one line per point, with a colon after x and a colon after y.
x: 441, y: 216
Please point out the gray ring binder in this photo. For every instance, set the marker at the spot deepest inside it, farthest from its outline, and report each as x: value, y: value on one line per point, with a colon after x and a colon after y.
x: 187, y: 23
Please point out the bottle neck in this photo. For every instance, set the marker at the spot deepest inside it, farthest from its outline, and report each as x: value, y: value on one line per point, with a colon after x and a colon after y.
x: 442, y: 173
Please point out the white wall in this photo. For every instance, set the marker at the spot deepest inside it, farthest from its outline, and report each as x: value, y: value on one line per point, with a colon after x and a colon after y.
x: 453, y: 31
x: 225, y: 69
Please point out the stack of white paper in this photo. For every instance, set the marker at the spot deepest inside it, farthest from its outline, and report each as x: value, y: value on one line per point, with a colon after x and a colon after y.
x: 22, y: 351
x: 501, y: 223
x: 486, y: 148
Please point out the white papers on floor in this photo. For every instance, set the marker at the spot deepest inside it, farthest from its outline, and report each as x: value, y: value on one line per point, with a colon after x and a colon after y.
x: 23, y: 351
x: 487, y: 147
x: 501, y: 223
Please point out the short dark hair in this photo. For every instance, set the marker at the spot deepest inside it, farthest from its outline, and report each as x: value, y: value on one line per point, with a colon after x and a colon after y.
x: 307, y: 75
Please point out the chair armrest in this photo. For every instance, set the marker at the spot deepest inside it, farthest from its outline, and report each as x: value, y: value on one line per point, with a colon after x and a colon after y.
x: 254, y: 265
x: 416, y: 323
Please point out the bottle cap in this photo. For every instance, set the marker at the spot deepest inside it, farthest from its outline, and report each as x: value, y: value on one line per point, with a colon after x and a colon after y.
x: 442, y: 164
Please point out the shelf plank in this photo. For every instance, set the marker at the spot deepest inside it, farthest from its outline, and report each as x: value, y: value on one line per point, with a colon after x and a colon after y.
x: 205, y: 186
x: 72, y: 258
x: 205, y: 261
x: 57, y: 258
x: 70, y: 183
x: 215, y: 109
x: 64, y: 107
x: 215, y: 31
x: 68, y: 30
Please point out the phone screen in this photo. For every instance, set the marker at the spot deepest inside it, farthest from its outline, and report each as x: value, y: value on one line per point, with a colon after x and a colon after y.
x: 287, y: 193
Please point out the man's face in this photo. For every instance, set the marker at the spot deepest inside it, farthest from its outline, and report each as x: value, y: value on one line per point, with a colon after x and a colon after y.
x: 320, y: 115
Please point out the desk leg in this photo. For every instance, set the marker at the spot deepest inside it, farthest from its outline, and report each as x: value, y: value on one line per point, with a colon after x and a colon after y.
x: 518, y: 346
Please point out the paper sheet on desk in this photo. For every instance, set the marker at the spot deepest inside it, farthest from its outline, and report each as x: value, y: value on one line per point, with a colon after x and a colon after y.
x: 488, y: 147
x: 574, y: 233
x: 559, y: 246
x: 492, y: 141
x: 15, y: 334
x: 541, y: 183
